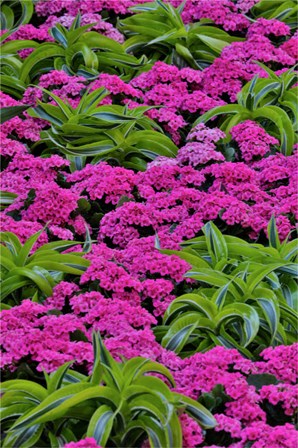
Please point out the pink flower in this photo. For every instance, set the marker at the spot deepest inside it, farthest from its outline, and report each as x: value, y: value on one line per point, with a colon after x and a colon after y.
x: 88, y: 442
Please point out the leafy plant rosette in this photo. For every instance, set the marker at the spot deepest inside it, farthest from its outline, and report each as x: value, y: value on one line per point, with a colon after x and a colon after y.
x: 157, y: 29
x: 75, y: 50
x: 14, y: 14
x: 245, y: 296
x: 115, y: 133
x: 285, y: 11
x: 119, y: 404
x: 25, y: 273
x: 270, y: 101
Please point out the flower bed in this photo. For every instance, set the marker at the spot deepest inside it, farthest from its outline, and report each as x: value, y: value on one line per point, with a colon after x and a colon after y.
x: 148, y: 212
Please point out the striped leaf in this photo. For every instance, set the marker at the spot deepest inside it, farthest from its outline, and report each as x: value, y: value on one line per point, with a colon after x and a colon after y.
x: 197, y: 411
x: 243, y: 312
x: 101, y: 424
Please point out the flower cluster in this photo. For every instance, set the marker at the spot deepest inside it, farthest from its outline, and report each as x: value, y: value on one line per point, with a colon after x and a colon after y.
x: 88, y: 442
x: 252, y: 139
x: 103, y: 182
x: 202, y: 150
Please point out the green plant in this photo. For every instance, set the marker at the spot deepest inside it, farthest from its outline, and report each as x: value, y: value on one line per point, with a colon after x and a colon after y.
x: 283, y: 10
x: 6, y: 113
x: 271, y: 101
x: 24, y: 273
x: 10, y: 73
x: 245, y: 297
x: 118, y: 405
x: 13, y: 14
x: 124, y: 136
x: 6, y: 199
x: 79, y: 52
x: 158, y: 31
x: 11, y: 68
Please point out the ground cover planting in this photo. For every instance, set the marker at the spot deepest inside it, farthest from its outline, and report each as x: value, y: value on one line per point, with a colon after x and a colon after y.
x: 148, y: 223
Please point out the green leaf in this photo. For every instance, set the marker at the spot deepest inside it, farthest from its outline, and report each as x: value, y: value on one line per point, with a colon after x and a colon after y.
x: 148, y: 384
x: 190, y: 302
x: 209, y: 276
x: 216, y: 45
x: 197, y: 411
x: 6, y: 17
x: 14, y: 410
x: 91, y: 100
x: 135, y: 42
x: 150, y: 404
x: 56, y: 378
x: 289, y: 250
x: 27, y: 248
x: 59, y: 402
x: 280, y: 119
x: 136, y: 367
x: 173, y: 432
x: 259, y: 274
x: 36, y: 275
x: 153, y: 430
x: 182, y: 328
x: 6, y: 113
x: 104, y: 360
x: 27, y: 12
x: 59, y: 34
x: 246, y: 313
x: 261, y: 379
x: 219, y: 296
x: 64, y: 108
x: 57, y: 246
x: 101, y: 424
x: 12, y: 283
x: 194, y: 260
x: 95, y: 40
x: 12, y: 86
x: 6, y: 199
x: 35, y: 391
x: 11, y: 241
x: 220, y: 110
x: 23, y: 439
x: 47, y: 112
x: 12, y: 47
x: 273, y: 233
x: 43, y: 52
x: 216, y: 244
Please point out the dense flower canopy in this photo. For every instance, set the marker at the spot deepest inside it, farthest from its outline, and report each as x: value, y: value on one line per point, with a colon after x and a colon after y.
x: 129, y: 128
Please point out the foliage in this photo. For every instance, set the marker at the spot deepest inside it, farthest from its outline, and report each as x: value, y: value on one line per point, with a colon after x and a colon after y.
x: 78, y: 52
x: 10, y: 70
x: 246, y: 296
x: 118, y: 404
x: 285, y: 11
x: 111, y: 132
x: 7, y: 113
x: 15, y: 13
x: 6, y: 199
x: 42, y: 269
x: 271, y: 101
x: 158, y: 30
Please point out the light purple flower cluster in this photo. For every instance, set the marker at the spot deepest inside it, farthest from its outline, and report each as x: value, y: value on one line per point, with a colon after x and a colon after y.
x: 200, y: 148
